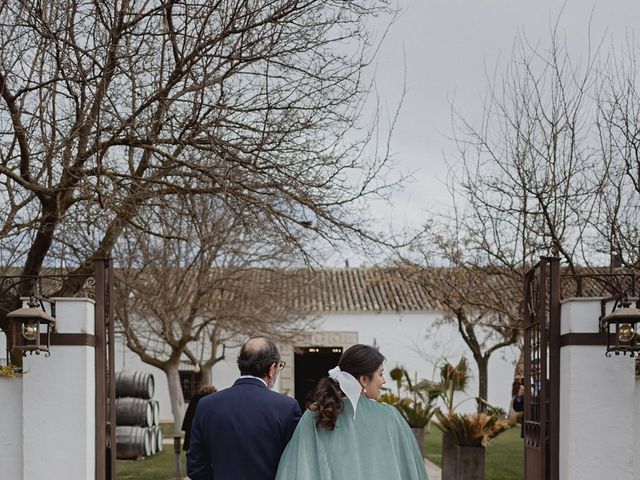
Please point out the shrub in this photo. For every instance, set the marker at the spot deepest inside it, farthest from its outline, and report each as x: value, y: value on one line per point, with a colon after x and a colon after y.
x: 471, y: 430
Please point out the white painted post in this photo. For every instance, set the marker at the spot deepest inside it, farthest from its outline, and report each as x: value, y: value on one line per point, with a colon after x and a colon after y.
x: 59, y: 402
x: 636, y: 428
x: 11, y: 427
x: 597, y: 403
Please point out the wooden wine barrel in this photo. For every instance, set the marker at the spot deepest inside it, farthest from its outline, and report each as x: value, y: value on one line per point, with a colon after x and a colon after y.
x: 152, y: 441
x: 134, y: 411
x: 155, y: 404
x: 132, y: 442
x: 158, y: 437
x: 151, y: 450
x: 135, y: 384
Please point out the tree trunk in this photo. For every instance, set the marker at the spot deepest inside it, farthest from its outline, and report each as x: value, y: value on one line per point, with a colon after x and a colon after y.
x: 177, y: 398
x: 483, y: 377
x: 40, y: 246
x: 205, y: 378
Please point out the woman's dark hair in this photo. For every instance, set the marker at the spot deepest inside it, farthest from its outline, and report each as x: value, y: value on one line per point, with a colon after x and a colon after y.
x: 207, y: 389
x: 515, y: 386
x: 357, y: 360
x: 256, y: 357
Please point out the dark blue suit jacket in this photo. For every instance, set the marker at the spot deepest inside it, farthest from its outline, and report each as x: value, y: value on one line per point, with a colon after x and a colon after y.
x: 240, y: 433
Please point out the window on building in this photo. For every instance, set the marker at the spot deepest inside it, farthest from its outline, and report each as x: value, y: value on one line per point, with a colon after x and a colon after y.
x: 190, y: 381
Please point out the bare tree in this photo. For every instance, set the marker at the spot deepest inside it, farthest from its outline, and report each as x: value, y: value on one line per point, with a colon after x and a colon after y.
x: 528, y: 175
x: 528, y: 181
x: 107, y: 107
x: 484, y: 303
x: 182, y: 295
x: 618, y: 101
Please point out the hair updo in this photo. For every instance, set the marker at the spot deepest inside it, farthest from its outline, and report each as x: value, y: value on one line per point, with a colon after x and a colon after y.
x: 358, y: 360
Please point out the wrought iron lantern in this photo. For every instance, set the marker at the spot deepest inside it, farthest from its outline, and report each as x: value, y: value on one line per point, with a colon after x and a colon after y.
x: 621, y: 326
x: 30, y: 329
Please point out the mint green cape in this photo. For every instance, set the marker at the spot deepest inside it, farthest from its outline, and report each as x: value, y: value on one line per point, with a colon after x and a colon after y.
x: 377, y: 445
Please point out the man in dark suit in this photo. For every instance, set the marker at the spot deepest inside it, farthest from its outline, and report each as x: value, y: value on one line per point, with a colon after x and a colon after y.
x: 240, y: 432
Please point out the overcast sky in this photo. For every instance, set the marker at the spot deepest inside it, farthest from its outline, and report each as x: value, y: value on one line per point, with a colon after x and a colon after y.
x: 446, y: 48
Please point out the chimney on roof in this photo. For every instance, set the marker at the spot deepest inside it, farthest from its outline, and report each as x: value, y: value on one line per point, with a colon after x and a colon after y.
x: 616, y: 260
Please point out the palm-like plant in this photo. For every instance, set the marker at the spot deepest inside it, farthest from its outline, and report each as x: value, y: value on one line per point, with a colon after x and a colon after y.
x: 417, y: 414
x: 453, y: 378
x: 471, y: 430
x: 419, y: 407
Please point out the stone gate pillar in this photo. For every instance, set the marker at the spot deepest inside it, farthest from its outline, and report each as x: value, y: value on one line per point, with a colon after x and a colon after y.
x: 598, y: 400
x: 11, y: 426
x: 58, y: 399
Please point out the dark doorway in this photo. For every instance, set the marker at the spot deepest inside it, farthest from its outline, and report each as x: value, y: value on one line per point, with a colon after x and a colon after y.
x: 190, y: 382
x: 311, y: 364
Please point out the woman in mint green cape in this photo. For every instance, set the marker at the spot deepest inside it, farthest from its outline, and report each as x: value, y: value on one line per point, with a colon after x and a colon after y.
x: 346, y: 434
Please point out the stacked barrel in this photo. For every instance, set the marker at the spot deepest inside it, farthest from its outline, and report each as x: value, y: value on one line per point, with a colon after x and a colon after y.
x: 138, y: 431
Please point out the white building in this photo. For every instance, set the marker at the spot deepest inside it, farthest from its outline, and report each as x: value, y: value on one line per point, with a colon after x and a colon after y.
x: 358, y: 306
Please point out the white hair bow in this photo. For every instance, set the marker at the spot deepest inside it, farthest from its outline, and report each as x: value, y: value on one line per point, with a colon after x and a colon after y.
x: 348, y: 384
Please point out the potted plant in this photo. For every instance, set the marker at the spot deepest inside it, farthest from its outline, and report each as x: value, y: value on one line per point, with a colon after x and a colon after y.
x: 418, y: 416
x: 464, y: 441
x: 465, y: 436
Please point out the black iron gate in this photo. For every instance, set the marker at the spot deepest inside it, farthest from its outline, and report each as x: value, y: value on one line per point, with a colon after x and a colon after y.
x: 542, y: 370
x: 105, y: 373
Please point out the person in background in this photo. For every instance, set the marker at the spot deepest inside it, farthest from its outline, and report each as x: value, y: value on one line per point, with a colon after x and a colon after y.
x: 191, y: 412
x: 347, y: 434
x: 239, y: 433
x: 518, y: 404
x: 516, y: 407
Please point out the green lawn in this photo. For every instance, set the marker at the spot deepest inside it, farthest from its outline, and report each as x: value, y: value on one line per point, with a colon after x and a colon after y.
x: 504, y: 457
x: 158, y: 467
x: 504, y: 460
x: 167, y: 429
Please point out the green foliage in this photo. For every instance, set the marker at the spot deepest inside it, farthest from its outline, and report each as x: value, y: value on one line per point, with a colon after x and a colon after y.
x: 397, y: 374
x: 473, y: 430
x: 457, y: 377
x: 453, y: 378
x: 390, y: 398
x: 416, y: 414
x: 418, y: 403
x: 417, y: 400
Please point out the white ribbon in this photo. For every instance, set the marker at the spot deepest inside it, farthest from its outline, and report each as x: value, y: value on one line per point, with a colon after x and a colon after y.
x: 348, y: 384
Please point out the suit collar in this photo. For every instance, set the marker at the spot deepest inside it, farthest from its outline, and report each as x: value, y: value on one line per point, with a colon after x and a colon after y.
x: 250, y: 380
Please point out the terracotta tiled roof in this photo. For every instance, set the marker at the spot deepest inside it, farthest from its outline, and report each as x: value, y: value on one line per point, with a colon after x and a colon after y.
x: 396, y: 289
x: 380, y: 289
x: 361, y: 290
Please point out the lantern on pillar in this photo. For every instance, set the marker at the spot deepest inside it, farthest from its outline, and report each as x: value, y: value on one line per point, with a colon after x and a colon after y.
x: 30, y: 329
x: 621, y: 327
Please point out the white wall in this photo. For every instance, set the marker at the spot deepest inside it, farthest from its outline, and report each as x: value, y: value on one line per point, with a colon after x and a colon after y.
x: 10, y: 426
x: 414, y: 341
x: 408, y: 339
x: 47, y: 430
x: 636, y: 428
x: 597, y: 404
x: 59, y: 401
